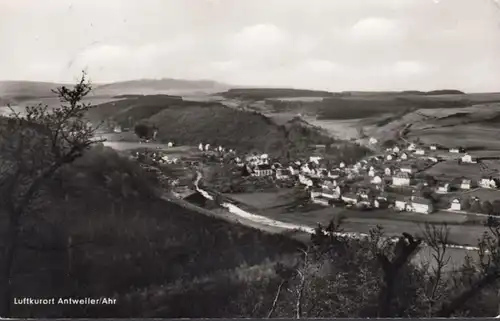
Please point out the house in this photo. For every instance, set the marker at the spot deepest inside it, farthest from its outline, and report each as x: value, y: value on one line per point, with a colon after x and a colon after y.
x: 390, y: 157
x: 433, y: 147
x: 170, y: 144
x: 282, y: 173
x: 443, y: 188
x: 408, y: 169
x: 401, y: 179
x: 316, y: 192
x: 371, y: 172
x: 342, y: 165
x: 488, y: 183
x: 331, y: 193
x: 388, y: 171
x: 376, y: 180
x: 200, y: 147
x: 396, y: 149
x: 420, y: 152
x: 304, y: 180
x: 207, y: 147
x: 403, y: 156
x: 400, y: 203
x: 334, y: 174
x: 457, y: 150
x: 373, y: 140
x: 329, y: 183
x: 117, y: 129
x: 421, y: 205
x: 350, y: 198
x: 314, y: 159
x: 262, y: 170
x: 433, y: 159
x: 456, y: 205
x: 466, y: 184
x: 411, y: 147
x: 321, y: 201
x: 468, y: 159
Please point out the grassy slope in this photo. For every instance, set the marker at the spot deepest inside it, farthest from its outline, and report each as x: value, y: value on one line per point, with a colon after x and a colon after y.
x: 135, y: 246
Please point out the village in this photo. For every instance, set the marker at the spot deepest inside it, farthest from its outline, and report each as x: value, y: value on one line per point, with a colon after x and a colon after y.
x: 402, y: 178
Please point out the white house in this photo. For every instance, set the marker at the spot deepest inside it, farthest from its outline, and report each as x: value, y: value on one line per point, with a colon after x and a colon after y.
x: 350, y: 198
x: 420, y: 152
x: 117, y: 129
x: 396, y: 149
x: 400, y: 203
x: 456, y: 205
x: 342, y: 165
x: 207, y: 147
x: 433, y: 159
x: 373, y: 140
x: 388, y: 171
x: 376, y: 180
x: 305, y: 180
x: 401, y: 179
x: 262, y: 170
x: 170, y: 144
x: 389, y: 157
x: 466, y: 184
x: 468, y: 159
x: 371, y: 172
x: 315, y: 159
x: 411, y: 147
x: 443, y: 188
x: 200, y: 147
x: 455, y: 150
x: 407, y: 169
x: 331, y: 193
x: 487, y: 183
x: 433, y: 147
x: 404, y: 156
x: 421, y: 205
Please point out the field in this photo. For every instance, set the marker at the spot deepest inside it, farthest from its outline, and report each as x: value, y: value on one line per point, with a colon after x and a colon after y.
x: 451, y: 169
x: 484, y: 194
x: 263, y: 200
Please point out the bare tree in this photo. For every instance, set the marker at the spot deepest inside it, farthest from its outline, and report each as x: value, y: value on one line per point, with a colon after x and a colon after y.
x: 33, y: 146
x: 488, y: 270
x: 436, y: 238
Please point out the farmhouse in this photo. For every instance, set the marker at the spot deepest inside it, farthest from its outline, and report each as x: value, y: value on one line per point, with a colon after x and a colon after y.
x: 410, y: 169
x: 404, y: 156
x: 400, y: 203
x: 466, y: 184
x: 433, y: 147
x: 488, y: 183
x: 396, y: 149
x: 411, y: 147
x: 373, y: 140
x: 342, y: 165
x: 390, y: 157
x: 262, y: 170
x: 421, y: 205
x: 350, y: 198
x: 468, y: 159
x: 456, y: 205
x: 388, y: 171
x: 401, y: 179
x: 371, y: 172
x: 304, y: 180
x: 420, y: 152
x: 443, y: 188
x: 331, y: 193
x: 457, y: 150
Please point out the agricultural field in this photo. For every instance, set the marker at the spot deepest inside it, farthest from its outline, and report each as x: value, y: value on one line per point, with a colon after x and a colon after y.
x: 484, y: 194
x: 263, y: 200
x: 468, y: 136
x: 451, y: 169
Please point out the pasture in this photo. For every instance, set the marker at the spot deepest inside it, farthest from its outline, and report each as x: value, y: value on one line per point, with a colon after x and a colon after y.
x: 484, y: 194
x: 263, y: 200
x: 451, y: 169
x: 468, y: 136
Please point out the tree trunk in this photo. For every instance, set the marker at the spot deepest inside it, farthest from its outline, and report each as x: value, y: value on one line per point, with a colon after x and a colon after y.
x: 7, y: 266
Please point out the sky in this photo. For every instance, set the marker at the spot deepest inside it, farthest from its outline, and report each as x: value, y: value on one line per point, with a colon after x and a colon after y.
x: 320, y: 44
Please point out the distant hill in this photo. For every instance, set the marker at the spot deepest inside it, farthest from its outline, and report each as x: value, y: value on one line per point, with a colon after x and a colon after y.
x: 192, y: 122
x: 266, y: 93
x: 18, y: 91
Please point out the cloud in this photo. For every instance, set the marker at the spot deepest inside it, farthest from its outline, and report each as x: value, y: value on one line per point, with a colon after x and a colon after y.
x: 408, y: 68
x: 376, y: 29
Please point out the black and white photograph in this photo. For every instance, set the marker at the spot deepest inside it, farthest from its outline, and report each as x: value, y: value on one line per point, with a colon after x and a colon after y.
x: 249, y: 159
